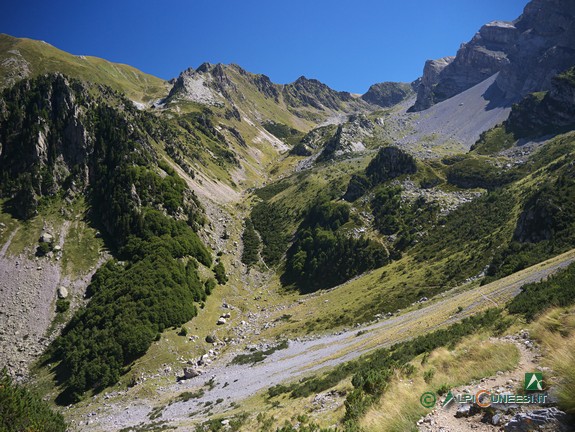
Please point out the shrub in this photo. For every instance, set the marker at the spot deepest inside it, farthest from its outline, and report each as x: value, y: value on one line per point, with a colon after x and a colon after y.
x: 62, y: 305
x: 21, y: 410
x: 220, y: 273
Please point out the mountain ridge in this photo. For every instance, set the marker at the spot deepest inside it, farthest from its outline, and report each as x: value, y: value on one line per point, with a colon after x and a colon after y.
x: 527, y: 52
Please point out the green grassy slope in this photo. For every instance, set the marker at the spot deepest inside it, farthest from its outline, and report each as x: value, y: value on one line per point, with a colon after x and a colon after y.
x: 21, y: 58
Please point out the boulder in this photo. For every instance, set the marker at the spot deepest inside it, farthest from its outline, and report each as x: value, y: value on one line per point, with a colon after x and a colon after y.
x: 221, y: 321
x: 190, y: 373
x: 211, y: 339
x: 463, y: 410
x: 46, y: 238
x: 541, y: 419
x: 62, y: 292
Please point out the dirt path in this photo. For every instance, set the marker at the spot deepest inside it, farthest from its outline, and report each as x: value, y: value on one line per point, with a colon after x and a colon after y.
x: 232, y: 384
x: 444, y: 420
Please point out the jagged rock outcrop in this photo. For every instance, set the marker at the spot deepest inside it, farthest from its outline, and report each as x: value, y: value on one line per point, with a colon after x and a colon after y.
x: 528, y: 53
x: 348, y: 138
x: 387, y: 94
x: 545, y: 47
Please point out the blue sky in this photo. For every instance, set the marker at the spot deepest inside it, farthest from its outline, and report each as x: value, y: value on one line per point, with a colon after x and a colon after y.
x: 349, y: 45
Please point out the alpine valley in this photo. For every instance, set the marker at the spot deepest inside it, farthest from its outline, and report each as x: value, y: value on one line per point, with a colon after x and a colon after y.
x: 219, y: 252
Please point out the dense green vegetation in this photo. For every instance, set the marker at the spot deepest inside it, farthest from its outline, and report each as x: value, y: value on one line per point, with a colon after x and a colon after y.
x: 493, y: 141
x: 535, y: 298
x: 321, y: 257
x: 146, y: 211
x: 268, y: 192
x: 389, y: 163
x: 21, y: 410
x: 393, y: 216
x: 267, y: 219
x: 372, y: 372
x: 475, y: 229
x: 251, y: 242
x: 470, y: 172
x: 546, y: 225
x: 258, y: 356
x: 284, y: 132
x: 220, y: 273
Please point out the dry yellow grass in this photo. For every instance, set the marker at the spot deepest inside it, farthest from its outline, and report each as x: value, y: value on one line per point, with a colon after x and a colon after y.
x: 556, y: 332
x: 399, y: 408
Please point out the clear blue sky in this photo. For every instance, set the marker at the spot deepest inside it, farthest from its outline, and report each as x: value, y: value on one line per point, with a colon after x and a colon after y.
x: 349, y: 45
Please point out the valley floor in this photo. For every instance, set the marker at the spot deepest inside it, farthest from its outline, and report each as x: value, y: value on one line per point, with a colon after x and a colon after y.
x: 225, y: 387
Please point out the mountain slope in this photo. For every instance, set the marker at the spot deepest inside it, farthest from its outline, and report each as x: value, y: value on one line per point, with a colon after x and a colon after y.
x: 27, y: 58
x: 301, y: 104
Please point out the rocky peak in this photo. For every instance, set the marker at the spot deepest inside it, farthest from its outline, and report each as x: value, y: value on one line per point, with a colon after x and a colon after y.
x: 208, y: 84
x: 544, y: 48
x: 527, y: 52
x: 313, y: 93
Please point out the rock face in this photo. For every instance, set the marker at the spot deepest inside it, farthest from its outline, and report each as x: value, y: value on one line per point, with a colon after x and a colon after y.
x: 528, y: 53
x: 190, y: 373
x: 348, y: 138
x: 387, y: 94
x: 475, y: 61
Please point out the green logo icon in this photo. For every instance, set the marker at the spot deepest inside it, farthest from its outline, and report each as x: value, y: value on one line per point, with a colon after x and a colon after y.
x: 428, y: 399
x: 534, y: 381
x: 448, y: 399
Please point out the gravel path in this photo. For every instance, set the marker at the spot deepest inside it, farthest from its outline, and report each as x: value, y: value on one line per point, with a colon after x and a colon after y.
x: 238, y: 382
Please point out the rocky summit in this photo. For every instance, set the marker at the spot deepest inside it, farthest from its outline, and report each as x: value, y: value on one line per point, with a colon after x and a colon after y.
x: 527, y: 52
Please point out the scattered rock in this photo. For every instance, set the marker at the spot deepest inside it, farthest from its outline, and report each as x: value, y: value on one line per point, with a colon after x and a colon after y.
x: 464, y: 410
x: 541, y: 419
x: 496, y: 419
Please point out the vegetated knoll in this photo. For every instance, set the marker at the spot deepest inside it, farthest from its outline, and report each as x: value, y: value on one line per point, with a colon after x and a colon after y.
x: 536, y: 115
x: 62, y: 137
x: 27, y: 58
x: 323, y: 257
x: 387, y: 94
x: 350, y: 137
x: 389, y: 163
x: 527, y: 52
x: 517, y: 223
